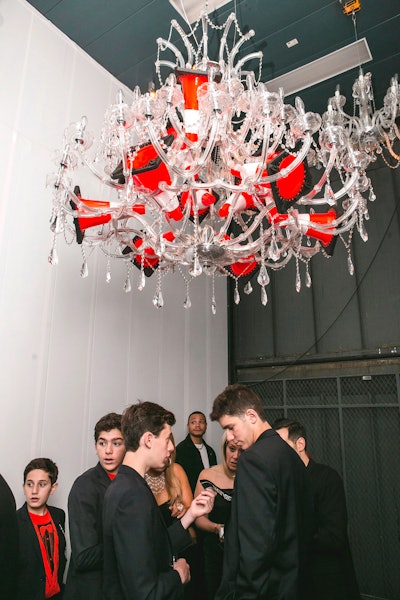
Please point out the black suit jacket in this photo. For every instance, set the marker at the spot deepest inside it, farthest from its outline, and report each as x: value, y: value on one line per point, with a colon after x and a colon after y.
x: 268, y: 535
x: 138, y: 548
x: 31, y: 581
x: 188, y: 456
x: 85, y: 508
x: 331, y: 562
x: 8, y: 542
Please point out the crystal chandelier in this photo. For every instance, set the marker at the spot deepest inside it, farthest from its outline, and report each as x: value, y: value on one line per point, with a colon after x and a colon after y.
x: 213, y: 174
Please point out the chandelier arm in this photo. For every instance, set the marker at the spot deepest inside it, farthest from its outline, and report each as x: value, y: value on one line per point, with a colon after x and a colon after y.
x: 309, y: 198
x: 275, y: 265
x: 167, y: 44
x: 238, y: 45
x: 222, y: 44
x: 166, y: 63
x: 184, y: 173
x: 251, y: 228
x: 246, y: 59
x: 293, y: 165
x: 185, y: 40
x: 104, y: 179
x: 348, y: 226
x: 204, y: 39
x: 349, y: 212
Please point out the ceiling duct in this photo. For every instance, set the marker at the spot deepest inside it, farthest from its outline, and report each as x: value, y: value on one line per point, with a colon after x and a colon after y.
x: 323, y: 68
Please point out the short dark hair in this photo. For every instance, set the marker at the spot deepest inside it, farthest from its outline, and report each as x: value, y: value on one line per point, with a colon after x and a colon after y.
x: 45, y: 464
x: 295, y: 429
x: 234, y: 400
x: 197, y: 412
x: 107, y: 423
x: 142, y: 417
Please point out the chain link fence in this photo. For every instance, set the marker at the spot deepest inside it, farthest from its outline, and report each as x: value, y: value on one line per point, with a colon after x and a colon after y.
x: 353, y: 425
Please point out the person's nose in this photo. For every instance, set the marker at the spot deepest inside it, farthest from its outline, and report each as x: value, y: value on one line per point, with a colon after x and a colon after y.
x: 109, y: 449
x: 229, y: 435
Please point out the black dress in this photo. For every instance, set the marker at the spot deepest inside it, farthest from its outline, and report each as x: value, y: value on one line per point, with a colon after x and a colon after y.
x: 212, y: 547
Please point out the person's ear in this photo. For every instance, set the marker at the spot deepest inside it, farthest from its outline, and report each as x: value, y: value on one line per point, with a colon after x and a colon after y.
x: 53, y: 488
x: 147, y: 439
x: 300, y: 444
x: 251, y: 415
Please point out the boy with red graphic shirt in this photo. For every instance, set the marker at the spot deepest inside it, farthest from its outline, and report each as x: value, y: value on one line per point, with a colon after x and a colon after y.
x: 41, y: 561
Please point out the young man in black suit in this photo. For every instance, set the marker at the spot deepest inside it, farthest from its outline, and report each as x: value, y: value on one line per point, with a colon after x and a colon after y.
x: 41, y: 560
x: 267, y: 538
x: 139, y: 550
x: 193, y: 453
x: 85, y: 506
x: 331, y: 564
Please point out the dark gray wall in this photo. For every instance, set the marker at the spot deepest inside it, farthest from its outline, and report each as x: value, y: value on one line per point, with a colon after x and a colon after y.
x: 340, y: 316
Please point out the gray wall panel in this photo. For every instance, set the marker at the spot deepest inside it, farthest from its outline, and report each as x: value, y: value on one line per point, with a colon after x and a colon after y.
x: 341, y: 315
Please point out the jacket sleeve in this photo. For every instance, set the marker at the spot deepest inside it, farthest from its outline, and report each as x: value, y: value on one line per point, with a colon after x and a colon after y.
x: 140, y: 543
x: 331, y: 512
x: 85, y: 527
x: 248, y: 571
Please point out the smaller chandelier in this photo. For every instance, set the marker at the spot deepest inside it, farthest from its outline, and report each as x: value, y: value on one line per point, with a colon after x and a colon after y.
x: 213, y: 174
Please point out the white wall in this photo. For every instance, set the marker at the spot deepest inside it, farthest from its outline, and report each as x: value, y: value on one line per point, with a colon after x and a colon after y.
x: 72, y: 349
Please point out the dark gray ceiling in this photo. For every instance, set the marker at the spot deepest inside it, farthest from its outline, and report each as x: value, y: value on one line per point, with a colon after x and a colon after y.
x: 121, y: 34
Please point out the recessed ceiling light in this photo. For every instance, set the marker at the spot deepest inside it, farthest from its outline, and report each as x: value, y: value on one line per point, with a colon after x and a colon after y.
x: 292, y: 43
x: 190, y: 10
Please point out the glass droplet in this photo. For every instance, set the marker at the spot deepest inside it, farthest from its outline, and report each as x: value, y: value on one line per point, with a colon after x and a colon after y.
x: 54, y: 225
x: 264, y: 297
x: 53, y: 258
x: 308, y: 281
x: 362, y: 230
x: 263, y: 277
x: 273, y: 251
x: 142, y: 282
x: 158, y: 299
x: 127, y: 285
x: 195, y: 270
x: 298, y: 282
x: 236, y: 295
x: 188, y: 302
x: 248, y: 288
x: 108, y: 276
x: 350, y: 265
x: 84, y: 270
x: 214, y: 307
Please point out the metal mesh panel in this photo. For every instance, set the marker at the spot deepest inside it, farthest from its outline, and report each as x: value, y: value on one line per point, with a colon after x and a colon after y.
x: 353, y: 424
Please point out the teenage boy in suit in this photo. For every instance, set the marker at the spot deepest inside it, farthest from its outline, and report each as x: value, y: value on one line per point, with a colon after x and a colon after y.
x: 268, y: 536
x: 85, y: 506
x: 331, y: 562
x: 41, y: 561
x: 139, y: 550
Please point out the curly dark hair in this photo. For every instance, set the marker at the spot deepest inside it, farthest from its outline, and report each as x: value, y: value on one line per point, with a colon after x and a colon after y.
x: 107, y: 423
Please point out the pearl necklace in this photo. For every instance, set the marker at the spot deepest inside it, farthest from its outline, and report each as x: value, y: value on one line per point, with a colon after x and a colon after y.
x: 156, y: 483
